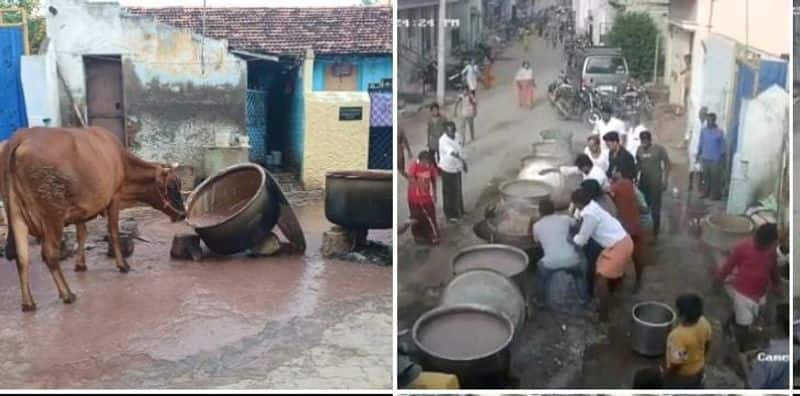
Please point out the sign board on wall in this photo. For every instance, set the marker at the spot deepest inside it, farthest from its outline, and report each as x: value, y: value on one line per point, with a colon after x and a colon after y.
x: 351, y: 113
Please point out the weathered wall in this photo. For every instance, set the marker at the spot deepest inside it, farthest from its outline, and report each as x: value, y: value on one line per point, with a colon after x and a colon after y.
x: 173, y: 103
x: 331, y: 144
x: 762, y: 141
x: 368, y: 69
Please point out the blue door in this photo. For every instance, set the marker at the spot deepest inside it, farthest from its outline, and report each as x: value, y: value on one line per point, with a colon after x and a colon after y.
x: 257, y: 125
x: 12, y: 101
x: 745, y: 86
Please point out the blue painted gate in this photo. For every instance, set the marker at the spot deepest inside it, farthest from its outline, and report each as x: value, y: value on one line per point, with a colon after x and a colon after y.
x: 380, y: 129
x: 745, y: 88
x: 257, y: 125
x: 12, y: 100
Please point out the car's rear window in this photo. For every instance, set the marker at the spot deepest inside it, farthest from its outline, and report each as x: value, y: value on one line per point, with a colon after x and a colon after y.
x: 605, y: 65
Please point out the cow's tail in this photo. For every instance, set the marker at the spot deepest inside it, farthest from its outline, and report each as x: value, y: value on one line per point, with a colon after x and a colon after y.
x: 8, y: 187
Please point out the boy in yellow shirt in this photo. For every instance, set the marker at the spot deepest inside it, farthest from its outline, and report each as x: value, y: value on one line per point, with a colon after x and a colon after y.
x: 687, y: 345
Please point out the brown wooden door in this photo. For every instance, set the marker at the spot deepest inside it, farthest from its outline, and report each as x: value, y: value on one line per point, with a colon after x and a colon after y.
x: 104, y: 94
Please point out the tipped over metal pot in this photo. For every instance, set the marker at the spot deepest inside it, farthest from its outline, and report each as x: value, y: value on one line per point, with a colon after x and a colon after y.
x: 508, y: 220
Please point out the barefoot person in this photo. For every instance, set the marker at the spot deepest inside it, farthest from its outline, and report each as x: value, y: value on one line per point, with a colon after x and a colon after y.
x: 623, y: 191
x: 451, y: 165
x: 599, y: 225
x: 654, y: 167
x: 687, y: 345
x: 436, y: 126
x: 525, y: 85
x: 467, y: 106
x: 752, y: 269
x: 422, y: 175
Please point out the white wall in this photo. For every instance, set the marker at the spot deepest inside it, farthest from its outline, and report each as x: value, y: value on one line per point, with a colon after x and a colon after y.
x: 173, y: 103
x: 40, y: 86
x: 757, y: 165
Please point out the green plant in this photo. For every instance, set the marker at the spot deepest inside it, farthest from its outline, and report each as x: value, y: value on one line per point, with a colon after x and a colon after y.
x: 636, y: 33
x: 37, y: 30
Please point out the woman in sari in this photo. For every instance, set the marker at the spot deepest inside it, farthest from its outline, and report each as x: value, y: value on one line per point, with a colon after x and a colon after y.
x: 488, y: 73
x: 525, y: 85
x: 422, y: 176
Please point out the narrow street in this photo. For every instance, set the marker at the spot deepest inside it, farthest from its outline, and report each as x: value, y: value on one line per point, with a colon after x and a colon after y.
x: 560, y: 350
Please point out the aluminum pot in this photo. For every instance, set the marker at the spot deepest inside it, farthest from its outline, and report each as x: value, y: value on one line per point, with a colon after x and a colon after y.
x: 490, y: 288
x: 552, y: 148
x: 652, y: 322
x: 447, y: 338
x: 723, y: 231
x: 508, y: 219
x: 547, y: 170
x: 510, y: 261
x: 235, y: 209
x: 534, y: 165
x: 359, y: 199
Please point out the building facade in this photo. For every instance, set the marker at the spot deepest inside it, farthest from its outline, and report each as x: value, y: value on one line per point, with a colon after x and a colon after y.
x: 175, y: 81
x: 417, y: 35
x: 732, y: 58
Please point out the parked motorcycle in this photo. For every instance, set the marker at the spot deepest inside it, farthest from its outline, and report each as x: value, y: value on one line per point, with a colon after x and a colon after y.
x: 582, y: 104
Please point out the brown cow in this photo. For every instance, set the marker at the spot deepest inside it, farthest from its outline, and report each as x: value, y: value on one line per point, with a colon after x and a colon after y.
x: 80, y: 228
x: 54, y: 177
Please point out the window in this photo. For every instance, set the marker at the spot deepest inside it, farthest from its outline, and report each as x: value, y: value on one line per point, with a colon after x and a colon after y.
x: 605, y: 65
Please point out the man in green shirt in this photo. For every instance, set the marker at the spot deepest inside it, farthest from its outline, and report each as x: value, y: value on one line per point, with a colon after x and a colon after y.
x: 654, y: 167
x: 436, y: 128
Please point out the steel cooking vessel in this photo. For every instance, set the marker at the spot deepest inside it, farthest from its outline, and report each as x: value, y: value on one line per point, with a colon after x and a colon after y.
x: 234, y: 209
x: 490, y: 288
x: 359, y: 199
x: 496, y: 360
x: 652, y: 322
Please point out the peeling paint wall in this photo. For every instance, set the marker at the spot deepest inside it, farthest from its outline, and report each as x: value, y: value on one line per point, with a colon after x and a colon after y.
x: 174, y: 103
x: 331, y: 144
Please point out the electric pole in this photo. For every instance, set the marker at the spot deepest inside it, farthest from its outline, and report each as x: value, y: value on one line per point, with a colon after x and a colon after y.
x: 440, y: 70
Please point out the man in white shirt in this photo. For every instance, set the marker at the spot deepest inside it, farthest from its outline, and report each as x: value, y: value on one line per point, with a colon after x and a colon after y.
x: 597, y: 152
x: 451, y: 163
x: 633, y: 139
x: 471, y: 73
x: 609, y: 123
x: 591, y: 171
x: 608, y: 232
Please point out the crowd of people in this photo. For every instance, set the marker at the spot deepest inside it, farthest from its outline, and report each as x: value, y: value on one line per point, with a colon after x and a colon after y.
x: 613, y: 221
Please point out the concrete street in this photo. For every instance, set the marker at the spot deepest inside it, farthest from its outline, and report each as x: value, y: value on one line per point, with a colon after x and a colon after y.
x: 283, y: 322
x: 560, y: 350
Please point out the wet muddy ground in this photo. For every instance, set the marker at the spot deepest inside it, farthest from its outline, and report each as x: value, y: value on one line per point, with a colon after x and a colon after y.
x: 223, y: 322
x: 557, y: 350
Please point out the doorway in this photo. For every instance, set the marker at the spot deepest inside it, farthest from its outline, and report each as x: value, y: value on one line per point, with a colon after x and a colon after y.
x: 104, y: 93
x: 271, y: 110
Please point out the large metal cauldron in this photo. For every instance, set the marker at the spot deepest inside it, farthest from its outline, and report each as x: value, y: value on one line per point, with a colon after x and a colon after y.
x: 469, y: 341
x: 652, y: 322
x: 722, y: 231
x: 490, y: 288
x: 508, y: 220
x: 359, y: 199
x: 234, y: 209
x: 552, y: 148
x: 510, y: 261
x: 547, y: 170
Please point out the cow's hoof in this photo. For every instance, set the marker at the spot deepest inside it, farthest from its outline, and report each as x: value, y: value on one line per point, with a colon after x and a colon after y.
x: 124, y: 269
x: 70, y: 298
x: 28, y: 307
x: 80, y: 268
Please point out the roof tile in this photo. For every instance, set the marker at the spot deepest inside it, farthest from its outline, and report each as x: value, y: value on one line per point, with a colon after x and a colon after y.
x: 287, y: 31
